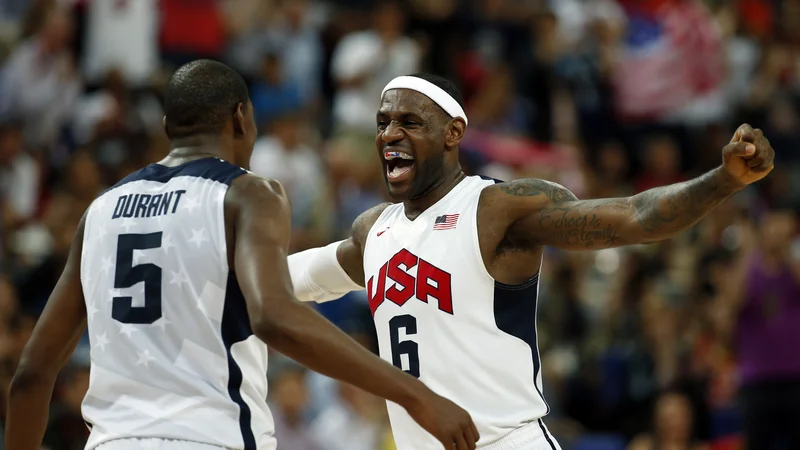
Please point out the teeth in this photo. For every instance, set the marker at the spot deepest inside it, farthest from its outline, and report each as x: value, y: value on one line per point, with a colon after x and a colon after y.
x: 396, y: 155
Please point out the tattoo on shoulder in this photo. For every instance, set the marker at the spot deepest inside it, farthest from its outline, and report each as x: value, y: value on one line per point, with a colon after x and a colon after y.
x: 572, y: 225
x: 532, y: 187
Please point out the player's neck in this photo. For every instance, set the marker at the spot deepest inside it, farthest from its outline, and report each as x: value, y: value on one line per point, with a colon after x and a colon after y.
x: 415, y: 207
x: 192, y: 148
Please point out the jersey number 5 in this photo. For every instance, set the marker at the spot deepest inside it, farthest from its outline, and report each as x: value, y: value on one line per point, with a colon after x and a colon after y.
x: 126, y: 275
x: 400, y: 348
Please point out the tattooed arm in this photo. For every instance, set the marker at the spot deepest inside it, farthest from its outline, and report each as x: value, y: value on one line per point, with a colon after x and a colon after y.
x: 552, y: 215
x: 544, y: 213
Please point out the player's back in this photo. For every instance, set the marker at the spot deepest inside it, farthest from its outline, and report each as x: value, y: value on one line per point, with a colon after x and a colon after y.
x: 173, y: 355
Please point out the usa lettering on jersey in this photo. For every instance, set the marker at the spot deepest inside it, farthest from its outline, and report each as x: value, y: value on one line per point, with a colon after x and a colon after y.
x: 429, y: 282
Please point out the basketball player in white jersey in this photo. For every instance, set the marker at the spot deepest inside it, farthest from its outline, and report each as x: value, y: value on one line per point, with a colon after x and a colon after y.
x: 180, y: 272
x: 452, y: 269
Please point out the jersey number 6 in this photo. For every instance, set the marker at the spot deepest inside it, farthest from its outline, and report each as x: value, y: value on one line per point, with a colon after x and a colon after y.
x: 126, y: 275
x: 400, y: 348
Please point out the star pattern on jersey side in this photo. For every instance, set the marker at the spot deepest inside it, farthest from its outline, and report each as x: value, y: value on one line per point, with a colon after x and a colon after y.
x: 90, y: 311
x: 107, y: 264
x: 127, y: 329
x: 127, y: 224
x: 162, y: 323
x: 100, y: 341
x: 99, y: 232
x: 198, y: 237
x: 191, y: 204
x: 178, y: 278
x: 144, y: 358
x: 201, y: 307
x: 160, y: 219
x: 209, y: 301
x: 100, y: 202
x: 86, y: 277
x: 166, y: 243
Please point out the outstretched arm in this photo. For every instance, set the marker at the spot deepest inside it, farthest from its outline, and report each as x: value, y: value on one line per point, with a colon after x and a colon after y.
x: 546, y: 213
x: 328, y: 273
x: 53, y: 340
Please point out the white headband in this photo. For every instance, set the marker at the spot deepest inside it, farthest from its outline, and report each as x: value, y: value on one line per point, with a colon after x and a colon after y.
x: 430, y: 90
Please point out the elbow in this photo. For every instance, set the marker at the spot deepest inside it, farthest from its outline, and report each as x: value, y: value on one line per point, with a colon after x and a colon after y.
x: 28, y: 380
x: 274, y: 325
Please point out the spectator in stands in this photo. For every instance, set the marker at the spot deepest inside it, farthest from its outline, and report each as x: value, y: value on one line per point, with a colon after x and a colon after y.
x: 273, y: 93
x: 286, y: 155
x: 357, y: 421
x: 672, y: 426
x: 364, y: 61
x: 766, y: 305
x: 61, y: 219
x: 662, y: 163
x: 128, y: 24
x: 19, y: 174
x: 289, y: 404
x: 296, y: 33
x: 191, y: 30
x: 41, y: 83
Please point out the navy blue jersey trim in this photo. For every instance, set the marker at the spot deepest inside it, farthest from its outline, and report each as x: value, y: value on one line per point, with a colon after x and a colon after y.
x: 515, y: 314
x: 236, y: 328
x: 546, y: 434
x: 491, y: 179
x: 213, y: 169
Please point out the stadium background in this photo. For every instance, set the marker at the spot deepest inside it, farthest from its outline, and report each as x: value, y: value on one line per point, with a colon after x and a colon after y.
x: 665, y: 346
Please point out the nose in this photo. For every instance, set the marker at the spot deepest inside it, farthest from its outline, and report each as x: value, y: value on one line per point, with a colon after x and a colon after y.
x: 392, y: 133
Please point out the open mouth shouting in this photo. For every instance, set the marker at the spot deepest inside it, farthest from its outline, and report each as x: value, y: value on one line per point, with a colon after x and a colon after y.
x: 399, y: 165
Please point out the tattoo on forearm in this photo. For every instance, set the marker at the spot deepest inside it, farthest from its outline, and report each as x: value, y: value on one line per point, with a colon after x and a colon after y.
x: 669, y: 209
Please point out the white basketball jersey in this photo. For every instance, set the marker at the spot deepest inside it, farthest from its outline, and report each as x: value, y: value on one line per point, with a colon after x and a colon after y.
x: 441, y: 317
x: 173, y: 355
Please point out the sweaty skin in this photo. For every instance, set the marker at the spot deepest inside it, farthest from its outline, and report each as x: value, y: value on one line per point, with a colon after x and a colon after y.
x: 517, y: 219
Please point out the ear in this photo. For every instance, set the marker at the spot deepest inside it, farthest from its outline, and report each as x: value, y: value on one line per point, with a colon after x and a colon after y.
x: 164, y: 125
x: 455, y: 132
x: 238, y: 119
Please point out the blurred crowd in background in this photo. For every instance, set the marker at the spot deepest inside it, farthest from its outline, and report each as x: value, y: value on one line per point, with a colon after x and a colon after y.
x: 685, y: 344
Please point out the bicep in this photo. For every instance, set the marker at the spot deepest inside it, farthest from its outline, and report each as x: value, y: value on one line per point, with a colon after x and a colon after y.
x: 351, y: 259
x: 549, y: 214
x: 63, y: 321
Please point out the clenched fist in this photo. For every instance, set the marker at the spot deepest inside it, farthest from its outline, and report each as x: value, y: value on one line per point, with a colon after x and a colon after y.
x: 749, y: 157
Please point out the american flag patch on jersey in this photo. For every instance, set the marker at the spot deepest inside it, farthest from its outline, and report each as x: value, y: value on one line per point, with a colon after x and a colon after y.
x: 445, y: 222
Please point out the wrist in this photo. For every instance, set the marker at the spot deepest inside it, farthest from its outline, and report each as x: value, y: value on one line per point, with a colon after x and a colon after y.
x: 726, y: 181
x: 413, y: 393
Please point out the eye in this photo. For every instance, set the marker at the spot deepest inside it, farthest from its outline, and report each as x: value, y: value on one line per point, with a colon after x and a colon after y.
x: 382, y: 124
x: 410, y: 124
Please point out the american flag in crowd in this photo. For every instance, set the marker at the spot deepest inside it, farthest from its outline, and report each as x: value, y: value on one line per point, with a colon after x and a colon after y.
x: 445, y: 222
x: 671, y: 55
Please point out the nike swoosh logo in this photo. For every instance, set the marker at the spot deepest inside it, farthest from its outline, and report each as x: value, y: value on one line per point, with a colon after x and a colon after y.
x: 381, y: 232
